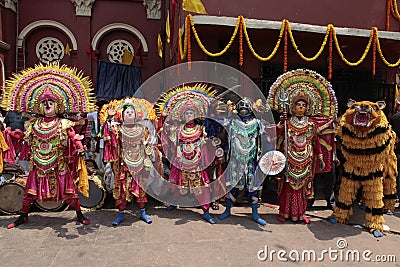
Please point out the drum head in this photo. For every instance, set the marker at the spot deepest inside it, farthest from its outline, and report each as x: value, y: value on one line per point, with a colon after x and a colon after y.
x: 272, y: 162
x: 50, y: 205
x: 11, y: 197
x: 97, y: 194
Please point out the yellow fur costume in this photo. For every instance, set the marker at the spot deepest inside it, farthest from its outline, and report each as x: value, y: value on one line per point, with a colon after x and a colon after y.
x: 367, y: 143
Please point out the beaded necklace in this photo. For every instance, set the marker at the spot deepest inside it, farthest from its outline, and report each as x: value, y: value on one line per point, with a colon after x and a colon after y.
x: 300, y: 154
x: 189, y: 146
x: 44, y: 149
x: 132, y: 152
x: 45, y: 130
x: 244, y: 139
x: 298, y: 125
x: 188, y: 134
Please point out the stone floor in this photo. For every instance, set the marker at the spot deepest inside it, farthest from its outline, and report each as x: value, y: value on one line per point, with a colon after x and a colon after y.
x: 182, y: 238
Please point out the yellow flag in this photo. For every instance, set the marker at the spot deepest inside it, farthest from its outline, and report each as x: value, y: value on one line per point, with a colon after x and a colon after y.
x: 159, y: 44
x: 396, y: 97
x: 168, y: 28
x: 195, y: 6
x: 67, y: 50
x: 127, y: 57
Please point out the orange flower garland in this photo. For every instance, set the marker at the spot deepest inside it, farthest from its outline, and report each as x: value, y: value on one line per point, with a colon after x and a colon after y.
x: 285, y: 39
x: 241, y: 41
x: 388, y: 10
x: 284, y: 32
x: 330, y: 53
x: 189, y: 45
x: 374, y: 52
x: 179, y: 61
x: 394, y: 10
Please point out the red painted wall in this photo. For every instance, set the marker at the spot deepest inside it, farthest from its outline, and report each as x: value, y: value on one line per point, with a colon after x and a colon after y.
x: 355, y: 14
x: 85, y: 27
x: 9, y: 31
x: 341, y: 13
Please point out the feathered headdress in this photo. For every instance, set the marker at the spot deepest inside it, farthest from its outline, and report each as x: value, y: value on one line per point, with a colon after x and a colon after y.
x: 25, y: 90
x: 143, y: 109
x: 176, y: 101
x: 306, y: 84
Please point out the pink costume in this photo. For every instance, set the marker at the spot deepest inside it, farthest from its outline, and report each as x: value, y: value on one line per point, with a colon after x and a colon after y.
x: 57, y: 167
x: 189, y: 160
x: 185, y: 144
x: 54, y: 148
x: 130, y: 163
x: 127, y: 148
x: 9, y: 155
x: 302, y: 142
x: 308, y: 95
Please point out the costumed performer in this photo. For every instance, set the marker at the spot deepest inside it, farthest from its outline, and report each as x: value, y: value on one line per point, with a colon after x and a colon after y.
x: 126, y: 143
x: 184, y: 141
x: 245, y: 133
x: 308, y: 94
x: 57, y: 167
x: 367, y: 142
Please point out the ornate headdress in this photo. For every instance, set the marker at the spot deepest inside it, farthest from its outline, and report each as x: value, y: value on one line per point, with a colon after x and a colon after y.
x: 176, y: 101
x: 25, y: 90
x: 48, y: 94
x: 307, y: 85
x: 143, y: 109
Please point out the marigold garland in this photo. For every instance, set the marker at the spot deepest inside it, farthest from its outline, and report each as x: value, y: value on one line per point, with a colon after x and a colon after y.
x: 189, y: 44
x: 296, y: 48
x: 330, y: 51
x: 201, y: 44
x: 374, y: 53
x: 275, y: 48
x: 378, y: 46
x: 285, y: 48
x: 285, y: 29
x: 182, y: 51
x: 388, y: 11
x: 352, y: 64
x: 241, y: 41
x: 394, y: 9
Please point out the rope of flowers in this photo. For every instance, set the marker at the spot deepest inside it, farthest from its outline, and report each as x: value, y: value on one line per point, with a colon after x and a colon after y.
x: 241, y: 42
x: 374, y: 52
x: 285, y: 41
x: 296, y: 48
x: 182, y: 51
x: 241, y: 26
x: 352, y: 64
x: 378, y: 46
x: 330, y: 62
x: 388, y: 11
x: 394, y: 10
x: 201, y: 44
x: 276, y: 45
x: 189, y: 44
